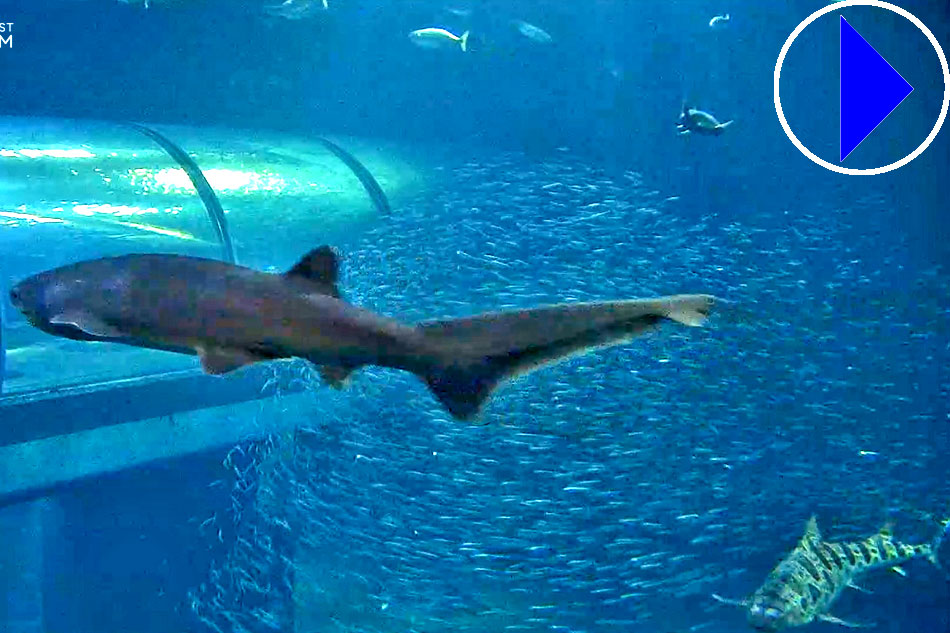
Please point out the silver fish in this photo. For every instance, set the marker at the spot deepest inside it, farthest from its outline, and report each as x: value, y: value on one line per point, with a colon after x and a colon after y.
x: 533, y: 32
x: 439, y: 38
x: 719, y: 21
x: 296, y: 9
x: 700, y: 122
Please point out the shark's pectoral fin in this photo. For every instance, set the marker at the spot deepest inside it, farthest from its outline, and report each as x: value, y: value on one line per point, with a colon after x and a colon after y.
x: 830, y: 619
x: 730, y: 601
x: 88, y: 323
x: 221, y: 361
x: 859, y: 588
x: 336, y: 375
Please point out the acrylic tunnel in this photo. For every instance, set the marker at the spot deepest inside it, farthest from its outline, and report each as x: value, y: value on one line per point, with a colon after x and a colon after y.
x: 74, y: 190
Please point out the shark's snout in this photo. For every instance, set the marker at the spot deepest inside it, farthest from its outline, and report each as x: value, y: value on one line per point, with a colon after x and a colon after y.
x: 765, y: 618
x: 15, y: 296
x: 27, y: 298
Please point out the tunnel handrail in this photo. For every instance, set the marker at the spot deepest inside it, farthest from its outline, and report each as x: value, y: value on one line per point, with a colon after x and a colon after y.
x: 370, y: 184
x: 3, y: 348
x: 203, y: 187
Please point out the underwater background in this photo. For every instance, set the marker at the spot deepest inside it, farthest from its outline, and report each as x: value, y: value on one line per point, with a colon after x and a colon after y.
x: 617, y: 490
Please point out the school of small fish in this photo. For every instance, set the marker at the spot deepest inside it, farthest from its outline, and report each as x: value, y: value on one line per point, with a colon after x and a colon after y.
x: 691, y: 471
x: 676, y: 489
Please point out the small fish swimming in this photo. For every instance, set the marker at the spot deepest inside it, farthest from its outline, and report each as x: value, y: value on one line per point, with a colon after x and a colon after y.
x: 719, y: 21
x: 533, y: 32
x: 462, y: 12
x: 803, y: 587
x: 232, y: 316
x: 693, y: 120
x: 439, y: 38
x: 148, y: 3
x: 296, y: 9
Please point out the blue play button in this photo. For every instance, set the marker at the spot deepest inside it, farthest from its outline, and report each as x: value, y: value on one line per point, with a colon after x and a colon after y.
x: 870, y: 89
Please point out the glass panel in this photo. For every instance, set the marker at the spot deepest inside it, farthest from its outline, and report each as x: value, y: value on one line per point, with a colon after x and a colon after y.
x: 72, y: 191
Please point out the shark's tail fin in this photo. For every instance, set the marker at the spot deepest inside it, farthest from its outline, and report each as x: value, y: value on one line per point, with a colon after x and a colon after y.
x: 723, y: 126
x: 463, y: 41
x: 479, y: 353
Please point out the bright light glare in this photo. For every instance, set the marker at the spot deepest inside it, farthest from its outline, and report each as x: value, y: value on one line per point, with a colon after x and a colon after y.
x: 47, y: 153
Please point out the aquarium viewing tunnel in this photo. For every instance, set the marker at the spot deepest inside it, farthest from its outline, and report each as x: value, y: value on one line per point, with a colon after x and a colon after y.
x: 76, y: 190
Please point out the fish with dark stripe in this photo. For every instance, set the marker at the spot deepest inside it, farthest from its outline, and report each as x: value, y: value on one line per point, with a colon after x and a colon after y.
x: 803, y: 587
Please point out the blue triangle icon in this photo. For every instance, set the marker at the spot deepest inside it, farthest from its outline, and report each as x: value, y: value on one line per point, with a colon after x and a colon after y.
x: 870, y: 89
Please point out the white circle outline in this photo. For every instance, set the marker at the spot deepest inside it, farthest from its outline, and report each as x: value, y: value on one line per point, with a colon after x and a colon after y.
x: 946, y: 88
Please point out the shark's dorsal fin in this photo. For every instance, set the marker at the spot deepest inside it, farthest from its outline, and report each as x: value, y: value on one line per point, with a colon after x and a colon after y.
x: 887, y: 530
x: 811, y: 530
x: 320, y: 268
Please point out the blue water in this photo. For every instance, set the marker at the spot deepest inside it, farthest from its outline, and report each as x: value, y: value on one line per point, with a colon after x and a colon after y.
x: 620, y: 489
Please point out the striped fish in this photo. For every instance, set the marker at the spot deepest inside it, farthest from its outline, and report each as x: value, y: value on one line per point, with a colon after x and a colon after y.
x: 802, y: 588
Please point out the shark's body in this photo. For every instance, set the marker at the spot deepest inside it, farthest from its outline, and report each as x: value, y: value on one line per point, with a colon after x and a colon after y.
x: 231, y: 316
x: 807, y: 582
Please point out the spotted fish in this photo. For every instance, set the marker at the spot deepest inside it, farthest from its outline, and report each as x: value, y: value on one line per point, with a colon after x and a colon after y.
x: 802, y: 588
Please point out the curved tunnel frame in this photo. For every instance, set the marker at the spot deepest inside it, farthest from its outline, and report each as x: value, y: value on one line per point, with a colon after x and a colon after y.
x: 370, y: 184
x: 202, y: 186
x: 213, y: 205
x: 3, y: 347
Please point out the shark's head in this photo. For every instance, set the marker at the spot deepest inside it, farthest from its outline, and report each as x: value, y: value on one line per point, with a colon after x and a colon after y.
x: 43, y: 297
x: 767, y: 610
x: 776, y: 607
x: 30, y: 298
x: 780, y: 603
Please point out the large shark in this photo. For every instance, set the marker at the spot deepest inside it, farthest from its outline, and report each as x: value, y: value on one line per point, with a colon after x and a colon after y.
x: 231, y: 316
